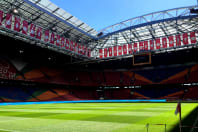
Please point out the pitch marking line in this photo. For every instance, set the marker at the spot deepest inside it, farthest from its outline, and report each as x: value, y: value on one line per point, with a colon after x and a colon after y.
x: 8, y: 130
x: 192, y: 129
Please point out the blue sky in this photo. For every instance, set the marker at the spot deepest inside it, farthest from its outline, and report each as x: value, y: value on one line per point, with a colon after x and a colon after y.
x: 103, y: 13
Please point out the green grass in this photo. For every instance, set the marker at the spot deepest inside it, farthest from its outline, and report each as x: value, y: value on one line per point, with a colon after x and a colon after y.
x: 93, y: 117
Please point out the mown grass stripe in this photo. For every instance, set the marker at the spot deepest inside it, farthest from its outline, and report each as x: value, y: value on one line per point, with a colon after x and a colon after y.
x: 78, y: 126
x: 93, y: 117
x: 7, y: 130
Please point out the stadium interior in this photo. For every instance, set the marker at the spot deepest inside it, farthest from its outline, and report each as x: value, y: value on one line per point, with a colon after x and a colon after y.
x: 37, y: 74
x: 32, y: 69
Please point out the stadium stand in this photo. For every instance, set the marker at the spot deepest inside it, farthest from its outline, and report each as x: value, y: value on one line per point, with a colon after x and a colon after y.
x: 42, y: 60
x: 191, y: 93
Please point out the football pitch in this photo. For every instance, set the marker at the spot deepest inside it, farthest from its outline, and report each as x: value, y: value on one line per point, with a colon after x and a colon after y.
x: 92, y: 117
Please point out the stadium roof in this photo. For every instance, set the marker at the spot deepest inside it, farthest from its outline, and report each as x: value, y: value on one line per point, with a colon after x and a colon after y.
x: 149, y: 26
x: 48, y: 15
x: 52, y: 8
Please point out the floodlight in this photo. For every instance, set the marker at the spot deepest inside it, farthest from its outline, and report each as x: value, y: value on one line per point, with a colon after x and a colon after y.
x: 15, y: 11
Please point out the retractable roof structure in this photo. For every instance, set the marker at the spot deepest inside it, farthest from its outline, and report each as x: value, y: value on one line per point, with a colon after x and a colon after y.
x: 49, y: 16
x: 149, y: 26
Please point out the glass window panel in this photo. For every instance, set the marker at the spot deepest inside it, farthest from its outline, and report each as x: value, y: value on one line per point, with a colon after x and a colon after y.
x: 52, y: 7
x: 44, y: 2
x: 60, y: 12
